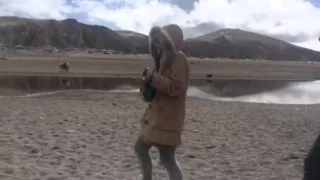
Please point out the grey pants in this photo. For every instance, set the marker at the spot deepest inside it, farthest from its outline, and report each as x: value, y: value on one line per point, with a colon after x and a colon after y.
x: 167, y: 158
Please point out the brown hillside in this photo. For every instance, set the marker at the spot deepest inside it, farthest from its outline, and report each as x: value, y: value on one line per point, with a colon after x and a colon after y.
x: 61, y: 34
x: 239, y: 44
x: 224, y: 43
x: 138, y: 40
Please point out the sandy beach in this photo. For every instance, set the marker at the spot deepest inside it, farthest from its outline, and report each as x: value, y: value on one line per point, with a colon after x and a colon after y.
x: 89, y: 135
x: 86, y: 135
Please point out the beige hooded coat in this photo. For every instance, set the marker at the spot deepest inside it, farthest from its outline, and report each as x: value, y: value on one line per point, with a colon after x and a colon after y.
x: 162, y: 122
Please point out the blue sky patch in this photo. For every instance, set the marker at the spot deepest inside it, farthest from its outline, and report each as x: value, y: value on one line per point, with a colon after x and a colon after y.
x: 315, y: 2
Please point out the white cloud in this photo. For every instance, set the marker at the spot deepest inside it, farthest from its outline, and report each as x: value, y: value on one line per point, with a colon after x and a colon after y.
x: 274, y: 17
x: 138, y: 17
x: 56, y: 9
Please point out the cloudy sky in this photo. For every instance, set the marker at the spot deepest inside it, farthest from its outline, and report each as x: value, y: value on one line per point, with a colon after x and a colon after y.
x: 295, y: 21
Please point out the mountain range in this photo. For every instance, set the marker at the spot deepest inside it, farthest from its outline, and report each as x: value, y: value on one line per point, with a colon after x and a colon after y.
x: 223, y: 43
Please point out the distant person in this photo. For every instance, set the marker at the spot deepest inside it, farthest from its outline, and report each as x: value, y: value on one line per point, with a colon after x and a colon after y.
x: 312, y: 162
x: 165, y: 89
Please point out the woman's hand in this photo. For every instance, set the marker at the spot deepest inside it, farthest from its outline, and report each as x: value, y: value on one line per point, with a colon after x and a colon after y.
x: 146, y: 77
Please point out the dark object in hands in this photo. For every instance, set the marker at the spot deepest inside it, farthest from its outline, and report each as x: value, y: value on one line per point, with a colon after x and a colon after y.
x: 148, y: 92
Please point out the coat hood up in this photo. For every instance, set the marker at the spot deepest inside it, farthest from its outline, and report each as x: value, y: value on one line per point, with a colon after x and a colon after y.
x: 164, y: 42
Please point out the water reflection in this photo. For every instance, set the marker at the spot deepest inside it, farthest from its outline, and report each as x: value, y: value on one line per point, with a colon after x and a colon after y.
x: 294, y: 93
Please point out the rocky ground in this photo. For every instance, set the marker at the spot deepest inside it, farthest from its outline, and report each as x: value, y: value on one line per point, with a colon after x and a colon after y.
x: 90, y: 135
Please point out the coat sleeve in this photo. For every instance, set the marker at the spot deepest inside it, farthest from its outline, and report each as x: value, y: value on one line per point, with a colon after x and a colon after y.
x: 177, y: 83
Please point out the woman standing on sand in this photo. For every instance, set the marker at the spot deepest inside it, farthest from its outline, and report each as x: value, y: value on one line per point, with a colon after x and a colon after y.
x: 311, y: 166
x: 165, y: 88
x: 312, y: 162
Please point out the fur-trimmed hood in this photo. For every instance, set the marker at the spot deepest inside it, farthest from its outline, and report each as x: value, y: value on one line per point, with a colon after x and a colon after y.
x: 164, y: 42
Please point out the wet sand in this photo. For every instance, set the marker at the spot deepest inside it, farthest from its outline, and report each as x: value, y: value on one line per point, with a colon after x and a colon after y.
x: 90, y: 135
